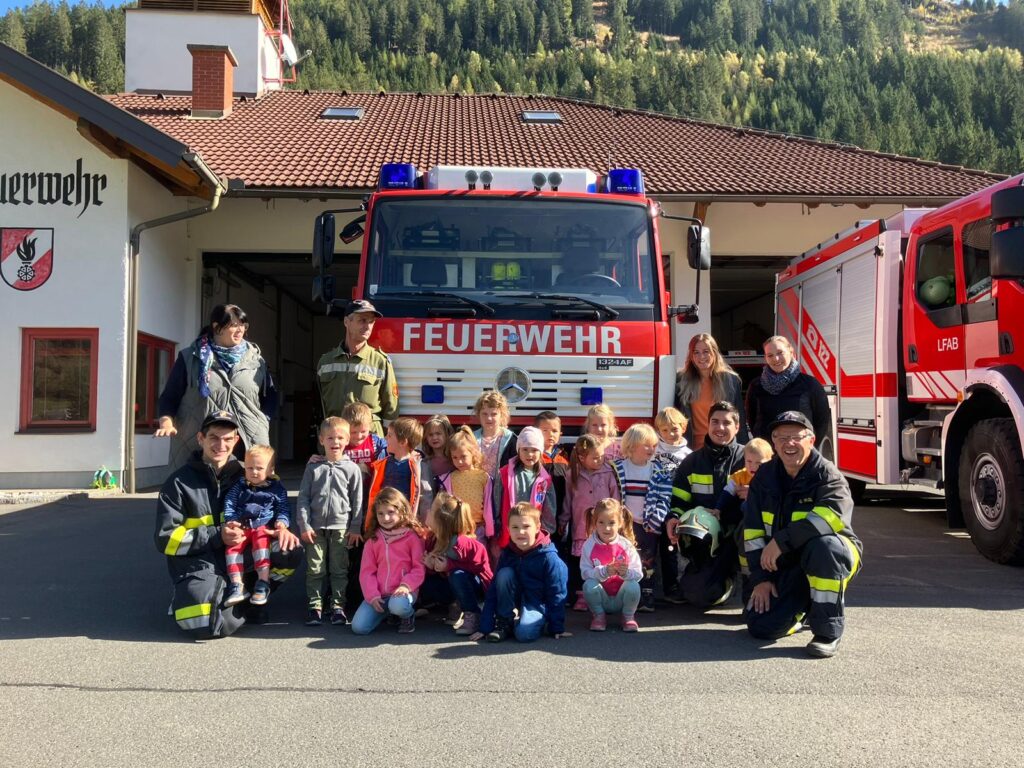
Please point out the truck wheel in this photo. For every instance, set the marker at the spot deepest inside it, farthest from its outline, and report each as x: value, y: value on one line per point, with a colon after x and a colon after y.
x: 1008, y: 204
x: 991, y: 489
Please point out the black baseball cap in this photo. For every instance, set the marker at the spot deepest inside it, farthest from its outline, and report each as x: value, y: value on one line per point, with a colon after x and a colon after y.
x: 360, y: 305
x: 790, y: 417
x: 221, y: 418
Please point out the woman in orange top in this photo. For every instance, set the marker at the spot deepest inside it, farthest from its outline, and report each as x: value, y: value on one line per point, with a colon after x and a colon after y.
x: 704, y: 380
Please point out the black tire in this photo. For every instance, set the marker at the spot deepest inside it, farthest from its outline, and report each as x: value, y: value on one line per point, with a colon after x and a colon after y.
x: 1008, y: 204
x: 991, y: 490
x: 857, y: 489
x: 827, y: 450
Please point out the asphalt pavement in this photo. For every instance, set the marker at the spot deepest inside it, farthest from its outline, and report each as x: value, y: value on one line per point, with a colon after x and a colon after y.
x: 94, y: 673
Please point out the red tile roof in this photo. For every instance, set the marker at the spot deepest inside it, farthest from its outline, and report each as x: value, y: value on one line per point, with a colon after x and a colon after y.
x: 280, y: 142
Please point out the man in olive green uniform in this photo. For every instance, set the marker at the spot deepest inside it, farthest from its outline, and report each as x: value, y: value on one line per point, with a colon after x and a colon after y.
x: 356, y: 372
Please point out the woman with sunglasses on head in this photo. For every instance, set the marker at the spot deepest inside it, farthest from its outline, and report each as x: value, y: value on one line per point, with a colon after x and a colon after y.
x: 219, y: 371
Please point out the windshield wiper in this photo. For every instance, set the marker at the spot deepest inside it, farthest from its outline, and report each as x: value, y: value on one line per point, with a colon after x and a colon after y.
x: 612, y: 313
x: 487, y: 309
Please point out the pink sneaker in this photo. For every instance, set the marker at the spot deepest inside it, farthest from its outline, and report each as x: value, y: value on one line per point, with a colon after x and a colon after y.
x: 581, y: 603
x: 629, y: 624
x: 599, y: 623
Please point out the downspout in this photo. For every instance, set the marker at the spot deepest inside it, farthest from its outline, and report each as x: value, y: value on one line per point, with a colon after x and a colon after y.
x: 128, y: 476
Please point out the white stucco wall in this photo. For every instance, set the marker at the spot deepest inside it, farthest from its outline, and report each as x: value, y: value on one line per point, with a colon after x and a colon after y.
x: 157, y: 59
x: 87, y: 288
x: 169, y: 288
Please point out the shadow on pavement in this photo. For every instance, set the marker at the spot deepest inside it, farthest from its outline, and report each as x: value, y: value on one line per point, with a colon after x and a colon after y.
x: 88, y: 567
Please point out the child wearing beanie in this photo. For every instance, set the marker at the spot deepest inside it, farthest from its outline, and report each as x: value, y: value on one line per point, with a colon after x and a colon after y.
x: 524, y: 479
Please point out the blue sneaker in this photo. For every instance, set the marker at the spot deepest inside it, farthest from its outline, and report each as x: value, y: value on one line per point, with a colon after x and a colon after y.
x: 236, y: 594
x: 260, y: 593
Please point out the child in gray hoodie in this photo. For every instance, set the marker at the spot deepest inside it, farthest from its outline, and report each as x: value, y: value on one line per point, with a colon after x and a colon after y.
x: 329, y: 513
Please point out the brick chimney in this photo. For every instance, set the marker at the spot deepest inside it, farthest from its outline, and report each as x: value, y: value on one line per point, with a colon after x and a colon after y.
x: 213, y: 79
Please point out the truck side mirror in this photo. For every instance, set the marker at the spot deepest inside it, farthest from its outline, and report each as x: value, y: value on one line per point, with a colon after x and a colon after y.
x: 698, y: 247
x: 323, y: 242
x: 1006, y: 257
x: 353, y: 230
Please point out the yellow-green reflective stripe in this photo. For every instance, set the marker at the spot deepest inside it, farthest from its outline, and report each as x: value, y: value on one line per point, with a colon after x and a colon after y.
x: 175, y: 540
x: 825, y: 585
x: 767, y: 517
x: 830, y: 517
x: 855, y: 554
x: 702, y: 483
x: 752, y: 533
x: 198, y: 522
x: 798, y: 515
x: 682, y: 494
x: 743, y: 561
x: 706, y: 479
x: 191, y: 611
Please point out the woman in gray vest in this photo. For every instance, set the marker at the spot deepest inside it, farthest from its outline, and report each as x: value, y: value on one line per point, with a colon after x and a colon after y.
x: 219, y: 371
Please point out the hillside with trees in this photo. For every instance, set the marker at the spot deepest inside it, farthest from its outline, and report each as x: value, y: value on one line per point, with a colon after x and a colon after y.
x: 936, y: 80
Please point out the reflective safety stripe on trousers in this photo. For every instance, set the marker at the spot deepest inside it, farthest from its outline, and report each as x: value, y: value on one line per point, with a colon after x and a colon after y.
x: 182, y: 536
x: 193, y: 616
x: 702, y: 484
x: 830, y: 590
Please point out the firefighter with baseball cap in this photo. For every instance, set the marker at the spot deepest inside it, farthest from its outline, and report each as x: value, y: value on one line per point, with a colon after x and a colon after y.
x: 798, y: 540
x: 189, y: 531
x: 356, y: 372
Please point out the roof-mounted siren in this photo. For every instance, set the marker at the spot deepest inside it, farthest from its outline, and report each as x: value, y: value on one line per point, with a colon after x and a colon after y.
x: 397, y: 176
x: 624, y: 181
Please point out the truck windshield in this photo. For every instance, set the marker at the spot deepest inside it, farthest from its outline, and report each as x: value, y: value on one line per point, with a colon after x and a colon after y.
x: 512, y: 254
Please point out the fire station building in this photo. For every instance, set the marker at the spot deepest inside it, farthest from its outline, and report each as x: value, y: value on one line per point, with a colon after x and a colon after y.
x: 123, y: 220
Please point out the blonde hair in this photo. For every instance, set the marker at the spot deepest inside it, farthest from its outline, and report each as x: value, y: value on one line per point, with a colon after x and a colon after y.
x: 689, y: 378
x: 638, y: 434
x: 602, y: 410
x: 670, y: 416
x: 463, y: 439
x: 617, y: 509
x: 394, y: 497
x: 334, y: 422
x: 584, y: 444
x: 262, y: 450
x: 357, y: 414
x: 524, y: 509
x: 493, y: 399
x: 408, y: 430
x: 761, y: 447
x: 781, y: 341
x: 450, y: 517
x: 441, y: 422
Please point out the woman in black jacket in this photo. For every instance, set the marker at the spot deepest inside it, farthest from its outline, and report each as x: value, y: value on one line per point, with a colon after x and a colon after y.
x: 783, y: 387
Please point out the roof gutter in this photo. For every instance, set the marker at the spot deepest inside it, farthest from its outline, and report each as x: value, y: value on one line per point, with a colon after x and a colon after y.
x: 208, y: 176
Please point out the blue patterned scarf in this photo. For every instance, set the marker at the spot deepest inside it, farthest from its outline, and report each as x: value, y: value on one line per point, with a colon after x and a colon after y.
x: 774, y: 383
x: 226, y: 357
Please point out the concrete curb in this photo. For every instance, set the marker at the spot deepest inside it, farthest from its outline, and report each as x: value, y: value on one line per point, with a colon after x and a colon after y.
x: 45, y: 496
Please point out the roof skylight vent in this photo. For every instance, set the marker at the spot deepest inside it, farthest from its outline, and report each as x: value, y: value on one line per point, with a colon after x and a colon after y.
x: 542, y: 116
x: 342, y: 113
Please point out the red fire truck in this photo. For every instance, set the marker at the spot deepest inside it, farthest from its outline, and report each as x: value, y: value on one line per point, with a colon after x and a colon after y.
x: 914, y: 327
x: 546, y: 284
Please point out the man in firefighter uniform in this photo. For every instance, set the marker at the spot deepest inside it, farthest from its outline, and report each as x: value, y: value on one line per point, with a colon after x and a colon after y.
x: 710, y: 573
x: 189, y: 532
x: 800, y: 547
x: 356, y: 372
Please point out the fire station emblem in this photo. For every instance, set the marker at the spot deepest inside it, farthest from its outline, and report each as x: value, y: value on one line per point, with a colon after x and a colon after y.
x: 26, y: 257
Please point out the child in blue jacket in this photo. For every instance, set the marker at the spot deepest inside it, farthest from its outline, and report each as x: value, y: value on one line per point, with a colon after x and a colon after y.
x: 530, y: 577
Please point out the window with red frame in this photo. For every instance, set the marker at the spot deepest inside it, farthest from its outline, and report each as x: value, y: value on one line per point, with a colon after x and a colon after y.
x: 152, y: 366
x: 58, y: 378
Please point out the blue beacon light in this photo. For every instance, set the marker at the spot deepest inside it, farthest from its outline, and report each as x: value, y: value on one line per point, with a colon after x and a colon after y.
x: 397, y: 176
x: 591, y: 395
x: 624, y: 181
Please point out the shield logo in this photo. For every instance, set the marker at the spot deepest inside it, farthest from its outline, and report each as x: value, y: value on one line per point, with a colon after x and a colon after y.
x: 26, y: 257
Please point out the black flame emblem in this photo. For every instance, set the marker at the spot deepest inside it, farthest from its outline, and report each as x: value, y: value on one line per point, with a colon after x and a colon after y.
x: 27, y: 254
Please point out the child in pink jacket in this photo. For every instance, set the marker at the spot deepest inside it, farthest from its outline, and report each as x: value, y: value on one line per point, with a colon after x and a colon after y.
x: 589, y: 480
x: 392, y: 570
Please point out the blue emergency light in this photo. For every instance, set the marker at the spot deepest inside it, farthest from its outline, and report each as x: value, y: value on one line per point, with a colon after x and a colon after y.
x: 591, y: 395
x: 624, y: 181
x: 397, y: 176
x: 432, y: 394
